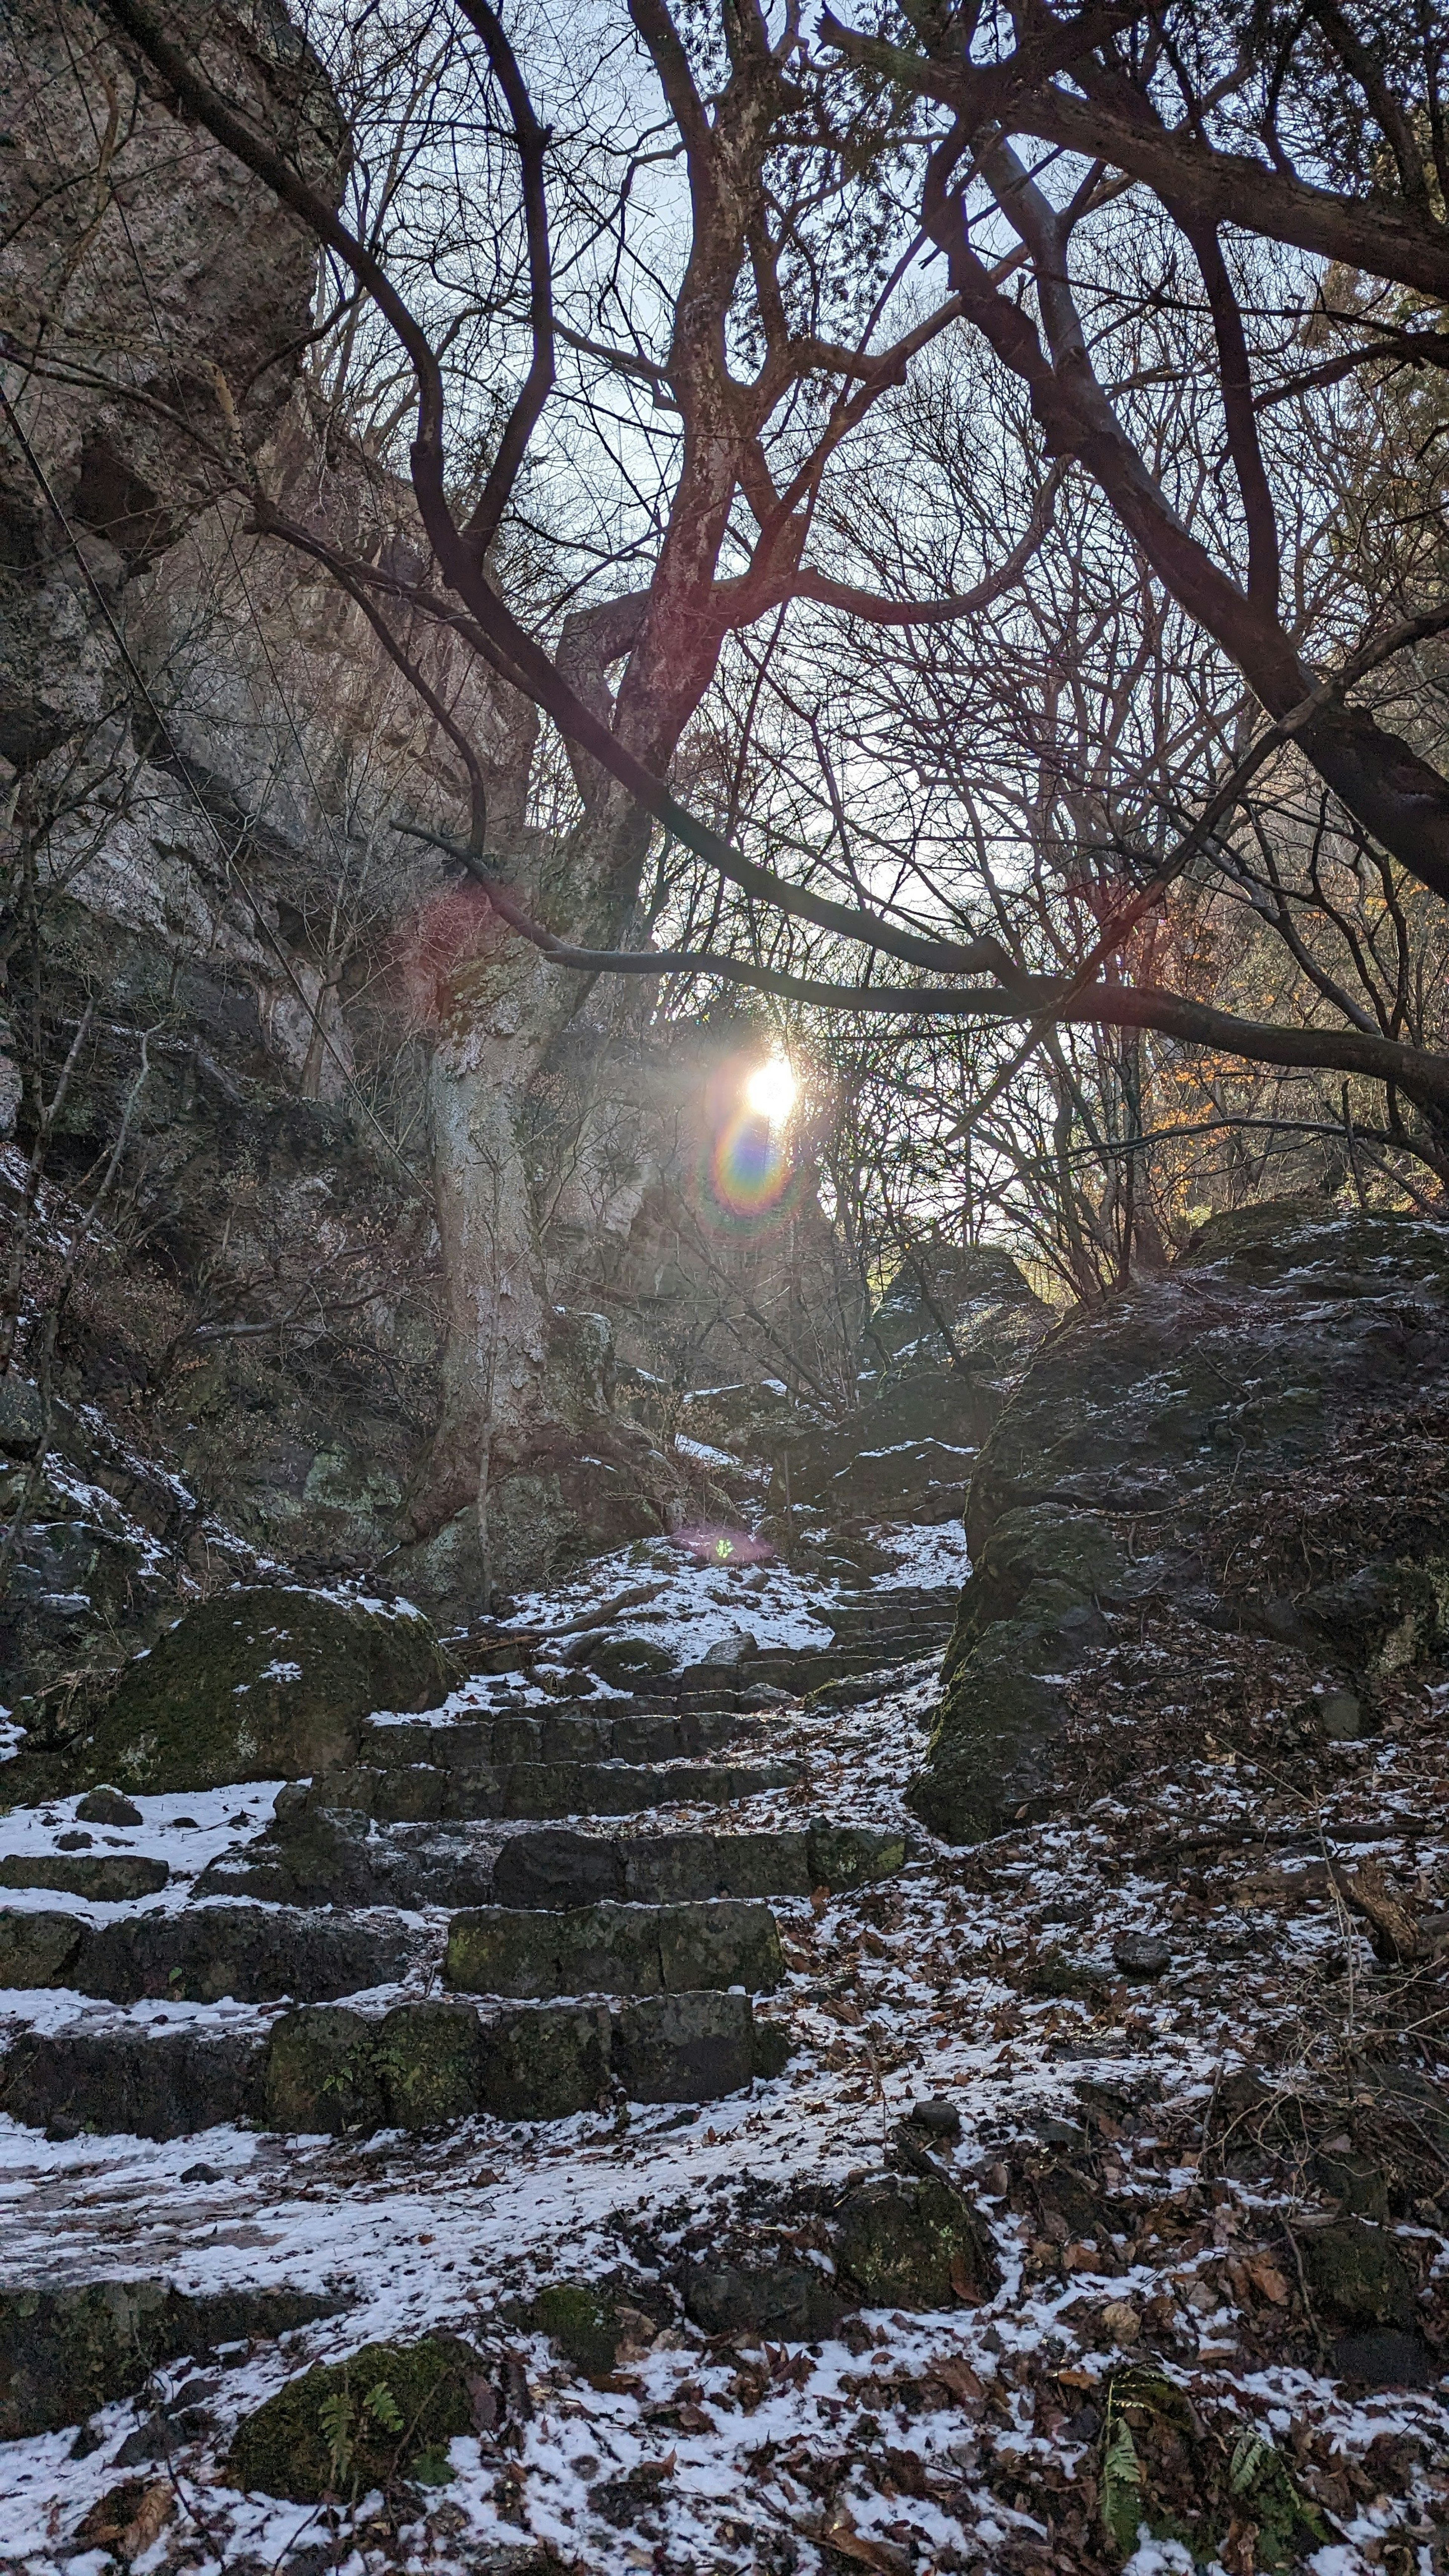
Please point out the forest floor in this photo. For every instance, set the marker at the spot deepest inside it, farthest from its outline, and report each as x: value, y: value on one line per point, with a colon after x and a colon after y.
x: 1193, y: 2068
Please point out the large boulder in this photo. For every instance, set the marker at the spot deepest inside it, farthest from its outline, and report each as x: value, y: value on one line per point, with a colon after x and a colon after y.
x: 262, y: 1684
x: 945, y: 1345
x: 1157, y: 1450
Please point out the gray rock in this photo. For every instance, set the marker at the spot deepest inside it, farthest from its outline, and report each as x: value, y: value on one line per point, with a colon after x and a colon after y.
x: 783, y: 2302
x: 258, y: 1684
x: 251, y: 1954
x: 105, y: 1806
x: 1274, y: 1329
x: 737, y: 1646
x: 1386, y: 2357
x: 684, y: 2048
x: 1141, y: 1954
x: 22, y: 1416
x: 39, y: 1948
x: 104, y: 1880
x: 167, y: 2085
x: 614, y: 1949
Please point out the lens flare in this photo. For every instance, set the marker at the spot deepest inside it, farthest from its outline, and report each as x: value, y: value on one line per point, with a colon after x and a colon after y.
x: 749, y: 1172
x: 770, y: 1091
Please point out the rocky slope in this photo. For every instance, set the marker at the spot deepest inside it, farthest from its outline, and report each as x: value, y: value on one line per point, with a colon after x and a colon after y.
x: 593, y: 2123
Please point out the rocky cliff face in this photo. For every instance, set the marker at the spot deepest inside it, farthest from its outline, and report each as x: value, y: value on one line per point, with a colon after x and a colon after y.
x: 1237, y: 1470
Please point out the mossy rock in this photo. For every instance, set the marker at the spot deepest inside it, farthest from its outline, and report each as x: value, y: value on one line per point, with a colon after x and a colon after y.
x: 545, y: 2065
x: 913, y: 2243
x: 322, y: 2072
x: 98, y: 1877
x: 842, y: 1857
x: 623, y: 1661
x: 63, y: 2353
x: 262, y: 1684
x: 994, y: 1743
x: 387, y: 2413
x: 430, y: 2058
x: 1358, y: 2275
x: 1078, y: 1555
x: 582, y: 2320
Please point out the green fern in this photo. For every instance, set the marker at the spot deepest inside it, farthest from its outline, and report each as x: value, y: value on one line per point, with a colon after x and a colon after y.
x: 336, y: 2418
x: 1121, y: 2488
x: 1251, y: 2456
x: 383, y: 2407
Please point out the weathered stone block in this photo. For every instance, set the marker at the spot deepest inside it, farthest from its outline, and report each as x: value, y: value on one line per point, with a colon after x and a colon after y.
x: 105, y: 1879
x: 544, y: 2064
x: 841, y: 1857
x: 40, y: 1948
x: 209, y: 1951
x: 322, y: 2073
x: 63, y: 2353
x: 128, y: 2083
x: 392, y: 2408
x: 684, y: 2048
x: 429, y: 2057
x: 557, y: 1868
x: 729, y: 1943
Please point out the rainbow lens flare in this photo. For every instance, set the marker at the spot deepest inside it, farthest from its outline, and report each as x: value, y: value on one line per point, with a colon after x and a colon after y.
x: 749, y: 1170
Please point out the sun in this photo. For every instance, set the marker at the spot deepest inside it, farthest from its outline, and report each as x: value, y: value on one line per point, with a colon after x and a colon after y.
x: 770, y: 1091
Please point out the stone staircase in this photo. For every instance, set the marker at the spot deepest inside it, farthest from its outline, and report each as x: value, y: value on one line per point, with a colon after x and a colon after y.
x: 444, y: 1944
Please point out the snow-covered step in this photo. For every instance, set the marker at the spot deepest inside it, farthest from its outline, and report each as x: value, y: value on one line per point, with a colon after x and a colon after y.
x: 252, y: 1953
x: 571, y: 1734
x: 613, y: 1949
x: 315, y: 1855
x: 559, y: 1868
x: 331, y: 2067
x: 420, y: 1793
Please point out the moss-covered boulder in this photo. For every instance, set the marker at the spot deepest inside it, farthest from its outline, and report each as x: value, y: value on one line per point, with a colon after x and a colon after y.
x: 263, y: 1684
x: 625, y: 1662
x: 1358, y: 2275
x: 65, y: 2352
x: 583, y: 2319
x: 387, y: 2413
x: 913, y: 2242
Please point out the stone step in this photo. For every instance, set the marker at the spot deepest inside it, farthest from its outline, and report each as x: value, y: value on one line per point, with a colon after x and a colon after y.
x: 858, y: 1629
x: 100, y: 1878
x: 421, y: 1793
x: 325, y: 2068
x: 572, y: 1733
x: 250, y: 1953
x: 66, y: 2351
x: 558, y: 1868
x: 319, y: 1856
x: 613, y: 1949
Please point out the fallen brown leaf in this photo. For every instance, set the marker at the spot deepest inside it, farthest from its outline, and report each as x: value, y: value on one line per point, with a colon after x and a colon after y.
x: 838, y: 2531
x: 953, y: 2372
x: 1266, y: 2278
